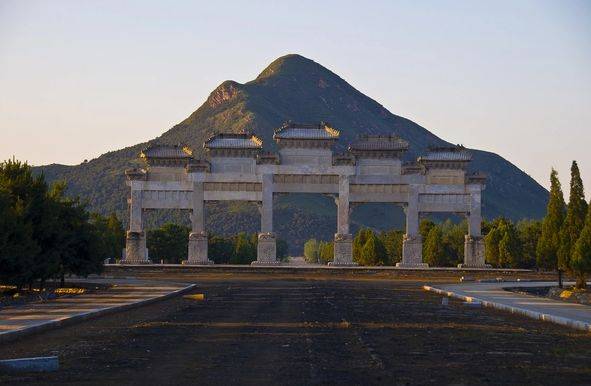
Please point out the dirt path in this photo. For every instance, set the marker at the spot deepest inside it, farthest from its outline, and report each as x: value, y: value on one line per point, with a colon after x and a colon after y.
x: 309, y: 332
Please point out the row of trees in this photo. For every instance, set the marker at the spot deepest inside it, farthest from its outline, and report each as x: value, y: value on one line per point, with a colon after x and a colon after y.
x: 169, y: 243
x: 45, y: 235
x: 565, y: 239
x: 318, y: 252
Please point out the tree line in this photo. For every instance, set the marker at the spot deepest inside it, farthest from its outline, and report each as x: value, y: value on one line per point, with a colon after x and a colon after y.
x: 561, y: 240
x: 169, y: 244
x: 46, y: 235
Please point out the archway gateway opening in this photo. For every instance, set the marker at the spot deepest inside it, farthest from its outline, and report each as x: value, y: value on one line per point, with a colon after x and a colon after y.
x: 237, y: 169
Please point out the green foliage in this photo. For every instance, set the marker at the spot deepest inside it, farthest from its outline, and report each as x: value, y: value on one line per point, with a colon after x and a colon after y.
x: 326, y: 249
x: 169, y: 243
x: 358, y: 242
x: 220, y: 249
x: 392, y: 241
x: 43, y: 234
x: 549, y: 241
x: 311, y: 251
x: 575, y: 218
x: 529, y: 233
x: 504, y: 246
x: 433, y: 249
x: 245, y: 251
x: 282, y: 252
x: 112, y: 234
x: 581, y: 259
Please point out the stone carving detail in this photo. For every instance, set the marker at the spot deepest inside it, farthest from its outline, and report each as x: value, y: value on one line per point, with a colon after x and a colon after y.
x: 135, y: 249
x: 305, y: 179
x: 474, y: 253
x: 233, y: 186
x: 266, y: 250
x: 412, y: 252
x: 378, y: 188
x: 197, y: 253
x: 343, y: 250
x: 445, y: 198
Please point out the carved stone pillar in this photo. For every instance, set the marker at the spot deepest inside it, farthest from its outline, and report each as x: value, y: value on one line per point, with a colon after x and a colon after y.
x: 197, y: 250
x: 266, y: 250
x: 412, y: 242
x: 473, y: 241
x: 343, y: 240
x: 135, y: 242
x: 266, y: 245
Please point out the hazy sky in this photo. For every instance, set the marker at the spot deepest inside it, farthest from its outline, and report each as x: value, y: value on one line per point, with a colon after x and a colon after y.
x: 79, y: 78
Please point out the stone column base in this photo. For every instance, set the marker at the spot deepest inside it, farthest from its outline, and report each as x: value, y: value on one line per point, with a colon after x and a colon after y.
x: 474, y: 253
x: 412, y: 252
x: 197, y: 253
x: 343, y: 251
x: 266, y: 250
x: 135, y: 249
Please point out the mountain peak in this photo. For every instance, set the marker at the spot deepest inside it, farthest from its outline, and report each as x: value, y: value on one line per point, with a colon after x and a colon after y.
x: 291, y: 64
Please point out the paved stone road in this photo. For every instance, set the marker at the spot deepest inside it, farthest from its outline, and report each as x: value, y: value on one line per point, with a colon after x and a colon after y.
x: 300, y: 332
x: 31, y: 316
x: 572, y: 314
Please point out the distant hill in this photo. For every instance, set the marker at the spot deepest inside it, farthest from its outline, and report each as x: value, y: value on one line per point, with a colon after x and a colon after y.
x: 295, y: 88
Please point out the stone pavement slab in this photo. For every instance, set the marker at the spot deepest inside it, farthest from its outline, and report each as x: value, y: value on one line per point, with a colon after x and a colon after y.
x: 494, y: 295
x: 37, y: 316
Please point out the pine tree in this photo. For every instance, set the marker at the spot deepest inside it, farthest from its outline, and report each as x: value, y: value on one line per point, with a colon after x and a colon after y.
x: 575, y: 218
x: 581, y: 260
x: 509, y: 247
x: 491, y: 246
x: 311, y: 251
x: 434, y: 252
x: 549, y: 242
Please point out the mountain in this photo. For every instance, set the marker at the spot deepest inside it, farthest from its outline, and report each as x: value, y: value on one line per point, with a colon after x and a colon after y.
x: 295, y: 88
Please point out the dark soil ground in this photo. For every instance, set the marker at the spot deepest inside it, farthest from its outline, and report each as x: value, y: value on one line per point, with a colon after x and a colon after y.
x: 297, y: 332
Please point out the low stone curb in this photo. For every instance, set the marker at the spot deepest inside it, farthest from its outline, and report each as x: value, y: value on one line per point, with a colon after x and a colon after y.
x: 11, y: 335
x: 572, y: 323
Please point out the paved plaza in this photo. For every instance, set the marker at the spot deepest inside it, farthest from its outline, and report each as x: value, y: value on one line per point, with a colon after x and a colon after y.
x: 19, y: 320
x: 270, y: 329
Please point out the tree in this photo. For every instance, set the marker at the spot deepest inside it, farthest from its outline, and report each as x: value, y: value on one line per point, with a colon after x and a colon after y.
x: 373, y: 252
x: 575, y: 218
x: 434, y: 253
x: 282, y: 250
x: 17, y: 246
x: 453, y: 237
x: 170, y: 243
x: 326, y: 251
x: 549, y: 242
x: 509, y: 247
x: 491, y: 246
x: 425, y: 227
x: 311, y: 252
x: 392, y: 241
x: 220, y: 249
x: 244, y: 250
x: 359, y: 241
x: 529, y: 232
x: 581, y: 259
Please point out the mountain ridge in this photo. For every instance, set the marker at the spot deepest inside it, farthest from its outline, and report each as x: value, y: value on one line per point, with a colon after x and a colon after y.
x: 296, y: 88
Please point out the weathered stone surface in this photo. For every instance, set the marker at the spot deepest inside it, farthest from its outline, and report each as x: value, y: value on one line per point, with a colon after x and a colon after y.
x: 197, y: 253
x: 343, y: 250
x: 474, y: 253
x: 135, y: 249
x: 266, y: 250
x: 412, y: 252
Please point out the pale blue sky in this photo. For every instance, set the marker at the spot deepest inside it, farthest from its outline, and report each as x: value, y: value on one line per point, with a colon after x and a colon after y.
x: 79, y: 78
